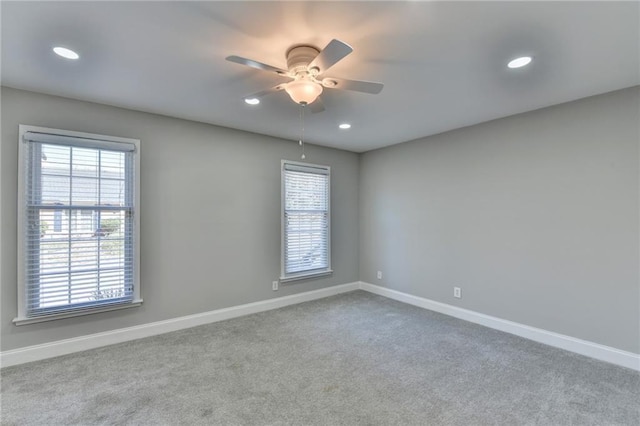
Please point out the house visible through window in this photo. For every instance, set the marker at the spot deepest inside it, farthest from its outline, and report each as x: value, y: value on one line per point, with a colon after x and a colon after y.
x: 78, y: 223
x: 306, y: 248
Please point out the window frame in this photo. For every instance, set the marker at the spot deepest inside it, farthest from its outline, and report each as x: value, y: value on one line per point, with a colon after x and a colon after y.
x: 311, y: 273
x: 22, y: 317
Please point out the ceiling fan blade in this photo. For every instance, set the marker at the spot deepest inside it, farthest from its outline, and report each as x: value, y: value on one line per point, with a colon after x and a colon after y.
x: 262, y: 93
x: 255, y: 64
x: 316, y: 106
x: 330, y: 55
x: 355, y: 85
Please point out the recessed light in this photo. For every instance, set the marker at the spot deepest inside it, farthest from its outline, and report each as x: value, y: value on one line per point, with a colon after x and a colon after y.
x: 65, y: 53
x: 519, y: 62
x: 252, y: 101
x: 345, y: 126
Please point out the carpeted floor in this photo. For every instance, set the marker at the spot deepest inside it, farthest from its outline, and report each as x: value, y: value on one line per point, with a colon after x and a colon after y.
x: 352, y: 359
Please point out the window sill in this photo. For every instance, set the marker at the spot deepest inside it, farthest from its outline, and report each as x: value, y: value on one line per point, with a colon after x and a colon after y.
x: 306, y: 275
x: 62, y: 315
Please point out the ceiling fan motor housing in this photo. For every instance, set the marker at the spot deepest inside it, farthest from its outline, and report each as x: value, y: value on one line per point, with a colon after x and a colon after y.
x: 299, y: 57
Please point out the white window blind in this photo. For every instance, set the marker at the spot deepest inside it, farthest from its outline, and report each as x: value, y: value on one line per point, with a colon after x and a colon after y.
x: 78, y: 224
x: 306, y: 220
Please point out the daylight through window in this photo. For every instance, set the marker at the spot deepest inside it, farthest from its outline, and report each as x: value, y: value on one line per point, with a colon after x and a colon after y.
x: 79, y: 202
x: 306, y: 220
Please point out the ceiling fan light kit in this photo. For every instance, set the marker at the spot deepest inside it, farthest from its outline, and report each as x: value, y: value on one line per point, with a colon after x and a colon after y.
x: 303, y: 91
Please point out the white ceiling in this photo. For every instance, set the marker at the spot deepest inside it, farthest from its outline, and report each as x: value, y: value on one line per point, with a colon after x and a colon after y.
x: 443, y: 63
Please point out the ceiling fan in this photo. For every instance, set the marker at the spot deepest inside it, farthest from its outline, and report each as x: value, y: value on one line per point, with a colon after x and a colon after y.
x: 306, y: 65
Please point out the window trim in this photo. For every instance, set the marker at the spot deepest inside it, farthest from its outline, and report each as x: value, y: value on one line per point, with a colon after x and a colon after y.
x: 312, y: 273
x: 22, y: 317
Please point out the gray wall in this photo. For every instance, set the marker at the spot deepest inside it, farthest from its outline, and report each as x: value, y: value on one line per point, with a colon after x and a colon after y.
x: 534, y: 216
x: 210, y: 213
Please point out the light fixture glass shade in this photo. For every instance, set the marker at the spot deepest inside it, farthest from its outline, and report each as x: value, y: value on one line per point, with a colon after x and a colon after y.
x: 303, y: 91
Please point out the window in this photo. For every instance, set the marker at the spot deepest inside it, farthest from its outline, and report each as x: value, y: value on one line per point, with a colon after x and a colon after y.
x: 78, y: 222
x: 306, y: 231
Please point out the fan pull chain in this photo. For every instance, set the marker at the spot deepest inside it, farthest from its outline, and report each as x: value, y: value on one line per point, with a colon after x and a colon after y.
x: 302, y: 130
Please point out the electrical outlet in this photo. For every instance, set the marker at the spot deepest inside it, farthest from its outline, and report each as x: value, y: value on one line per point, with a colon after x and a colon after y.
x: 274, y: 285
x: 379, y: 275
x: 456, y: 292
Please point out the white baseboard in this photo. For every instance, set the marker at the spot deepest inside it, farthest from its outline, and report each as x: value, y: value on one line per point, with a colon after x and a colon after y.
x: 67, y: 346
x: 582, y: 347
x: 91, y: 341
